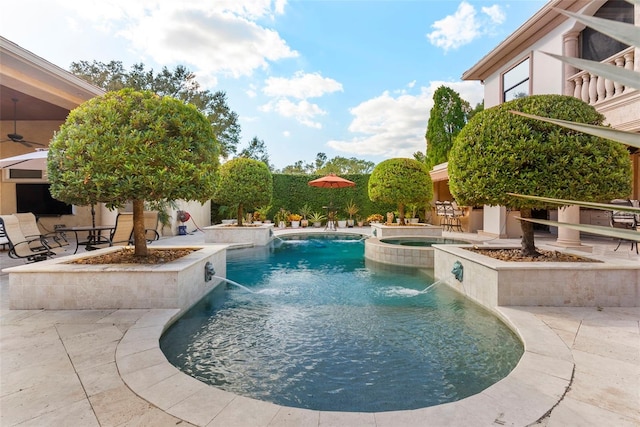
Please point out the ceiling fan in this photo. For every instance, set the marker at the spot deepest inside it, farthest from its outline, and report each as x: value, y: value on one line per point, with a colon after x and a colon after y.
x: 15, y: 136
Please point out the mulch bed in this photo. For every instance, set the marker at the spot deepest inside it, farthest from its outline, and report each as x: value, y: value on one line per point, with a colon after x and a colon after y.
x: 516, y: 256
x: 127, y: 256
x: 161, y: 256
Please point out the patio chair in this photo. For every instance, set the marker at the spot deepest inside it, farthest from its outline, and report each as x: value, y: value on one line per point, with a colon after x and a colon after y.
x: 441, y: 212
x: 30, y: 230
x: 622, y: 219
x: 4, y: 242
x: 32, y: 250
x: 151, y: 226
x: 453, y: 214
x: 120, y: 235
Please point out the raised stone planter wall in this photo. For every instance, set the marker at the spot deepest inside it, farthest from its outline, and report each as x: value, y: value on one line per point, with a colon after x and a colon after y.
x: 492, y: 283
x: 57, y: 285
x: 258, y: 235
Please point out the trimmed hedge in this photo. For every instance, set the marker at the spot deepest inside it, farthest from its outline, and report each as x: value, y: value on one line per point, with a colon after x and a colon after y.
x: 291, y: 192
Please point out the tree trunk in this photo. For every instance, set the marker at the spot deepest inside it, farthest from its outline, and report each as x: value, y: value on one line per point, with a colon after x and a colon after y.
x: 528, y: 243
x: 401, y: 213
x: 139, y: 237
x: 240, y: 214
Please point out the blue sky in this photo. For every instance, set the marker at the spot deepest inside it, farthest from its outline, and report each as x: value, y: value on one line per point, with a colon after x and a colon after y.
x: 351, y: 78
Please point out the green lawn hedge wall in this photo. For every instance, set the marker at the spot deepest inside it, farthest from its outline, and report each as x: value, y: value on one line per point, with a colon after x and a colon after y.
x: 290, y: 192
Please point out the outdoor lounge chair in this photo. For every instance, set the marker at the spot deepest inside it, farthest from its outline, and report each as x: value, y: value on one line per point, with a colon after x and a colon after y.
x: 120, y: 235
x: 30, y: 230
x: 151, y: 226
x: 32, y: 250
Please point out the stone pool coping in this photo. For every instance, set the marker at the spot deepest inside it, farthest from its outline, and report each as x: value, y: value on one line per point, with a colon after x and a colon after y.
x: 37, y: 386
x: 531, y: 390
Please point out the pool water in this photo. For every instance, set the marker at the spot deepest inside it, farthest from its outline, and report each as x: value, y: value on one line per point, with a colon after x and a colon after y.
x: 320, y: 330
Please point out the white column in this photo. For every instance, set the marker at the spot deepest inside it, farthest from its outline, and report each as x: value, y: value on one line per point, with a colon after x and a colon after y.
x: 566, y: 236
x: 570, y: 45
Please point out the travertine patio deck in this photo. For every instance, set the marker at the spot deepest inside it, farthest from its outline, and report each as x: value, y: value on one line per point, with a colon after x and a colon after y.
x: 70, y: 367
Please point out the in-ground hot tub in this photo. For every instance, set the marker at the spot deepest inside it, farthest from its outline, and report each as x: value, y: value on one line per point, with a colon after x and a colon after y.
x: 408, y: 251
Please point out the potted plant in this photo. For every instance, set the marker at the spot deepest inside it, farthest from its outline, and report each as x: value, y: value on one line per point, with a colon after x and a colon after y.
x: 262, y: 212
x: 374, y: 218
x: 351, y: 209
x: 413, y: 211
x: 256, y: 218
x: 316, y: 218
x: 305, y: 211
x: 281, y: 218
x: 342, y: 222
x: 294, y: 219
x: 359, y: 221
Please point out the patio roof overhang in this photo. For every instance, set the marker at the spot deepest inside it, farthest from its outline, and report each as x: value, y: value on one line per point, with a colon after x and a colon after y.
x: 439, y: 172
x: 44, y: 90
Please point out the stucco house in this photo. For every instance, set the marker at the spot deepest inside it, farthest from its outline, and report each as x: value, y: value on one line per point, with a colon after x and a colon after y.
x: 518, y: 67
x: 36, y: 97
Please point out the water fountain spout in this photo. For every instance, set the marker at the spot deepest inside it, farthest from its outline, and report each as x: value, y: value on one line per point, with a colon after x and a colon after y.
x: 231, y: 282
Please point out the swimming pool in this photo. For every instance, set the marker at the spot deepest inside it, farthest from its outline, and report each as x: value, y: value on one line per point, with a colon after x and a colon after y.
x: 321, y: 330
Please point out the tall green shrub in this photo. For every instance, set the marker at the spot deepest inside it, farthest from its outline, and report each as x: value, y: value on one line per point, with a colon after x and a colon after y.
x: 133, y: 146
x: 498, y: 153
x: 400, y: 181
x: 244, y: 183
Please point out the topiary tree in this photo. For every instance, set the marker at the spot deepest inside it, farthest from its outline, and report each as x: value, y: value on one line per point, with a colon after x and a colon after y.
x: 133, y: 146
x: 400, y: 181
x: 498, y: 153
x: 244, y: 182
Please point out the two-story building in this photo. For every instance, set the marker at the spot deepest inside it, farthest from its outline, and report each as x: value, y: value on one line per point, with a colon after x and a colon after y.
x: 518, y: 67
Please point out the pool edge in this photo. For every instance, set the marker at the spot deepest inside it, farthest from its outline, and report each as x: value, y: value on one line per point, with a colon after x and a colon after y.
x: 532, y: 388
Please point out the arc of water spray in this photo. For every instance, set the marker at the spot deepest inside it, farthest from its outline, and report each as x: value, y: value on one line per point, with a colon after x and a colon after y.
x: 231, y: 282
x: 428, y: 288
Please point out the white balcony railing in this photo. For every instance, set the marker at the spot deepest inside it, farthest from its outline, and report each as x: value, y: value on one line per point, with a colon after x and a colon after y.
x: 593, y: 89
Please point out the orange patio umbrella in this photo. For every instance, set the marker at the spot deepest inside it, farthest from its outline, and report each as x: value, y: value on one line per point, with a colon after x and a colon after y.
x: 331, y: 181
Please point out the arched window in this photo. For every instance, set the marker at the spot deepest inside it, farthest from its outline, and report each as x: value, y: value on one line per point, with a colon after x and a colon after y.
x: 596, y: 46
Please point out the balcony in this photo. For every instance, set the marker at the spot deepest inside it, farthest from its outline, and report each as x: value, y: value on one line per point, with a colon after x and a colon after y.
x: 594, y: 89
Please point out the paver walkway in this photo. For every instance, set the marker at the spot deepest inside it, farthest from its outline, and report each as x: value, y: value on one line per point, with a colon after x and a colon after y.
x: 58, y: 368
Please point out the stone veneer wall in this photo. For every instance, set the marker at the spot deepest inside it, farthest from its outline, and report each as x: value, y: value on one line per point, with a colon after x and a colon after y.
x: 258, y: 235
x: 409, y: 256
x: 57, y: 285
x: 492, y: 283
x: 380, y: 230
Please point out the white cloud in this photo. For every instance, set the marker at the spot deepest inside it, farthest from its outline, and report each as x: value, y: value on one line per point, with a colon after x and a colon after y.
x: 218, y: 42
x: 286, y: 134
x: 390, y: 126
x: 496, y: 14
x: 301, y: 86
x: 214, y: 37
x: 464, y: 26
x: 303, y: 111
